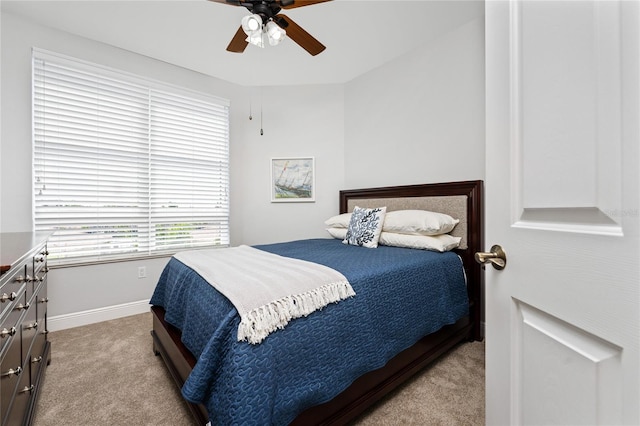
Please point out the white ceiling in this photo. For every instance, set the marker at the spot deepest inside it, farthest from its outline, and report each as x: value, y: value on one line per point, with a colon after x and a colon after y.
x: 359, y: 34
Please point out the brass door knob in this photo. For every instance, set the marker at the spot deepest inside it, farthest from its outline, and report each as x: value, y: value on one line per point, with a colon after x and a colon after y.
x: 497, y: 257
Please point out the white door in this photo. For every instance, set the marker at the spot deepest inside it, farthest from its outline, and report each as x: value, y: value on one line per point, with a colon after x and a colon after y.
x: 562, y: 185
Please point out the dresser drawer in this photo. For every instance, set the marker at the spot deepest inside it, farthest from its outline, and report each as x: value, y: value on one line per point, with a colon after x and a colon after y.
x: 21, y: 400
x: 37, y: 357
x: 10, y: 324
x: 40, y: 260
x: 37, y: 271
x: 13, y: 285
x: 11, y: 371
x: 29, y: 327
x: 41, y: 301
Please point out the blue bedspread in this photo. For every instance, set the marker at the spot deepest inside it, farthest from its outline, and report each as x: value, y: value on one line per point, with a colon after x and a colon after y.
x: 401, y: 295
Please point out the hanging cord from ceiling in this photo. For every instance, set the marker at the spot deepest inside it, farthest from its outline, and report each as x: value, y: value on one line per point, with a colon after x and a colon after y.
x: 251, y: 105
x: 261, y: 87
x: 251, y: 110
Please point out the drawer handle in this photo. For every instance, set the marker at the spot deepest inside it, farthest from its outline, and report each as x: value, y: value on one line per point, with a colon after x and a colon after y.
x: 44, y: 300
x: 32, y: 326
x: 20, y: 279
x: 13, y: 296
x: 11, y: 372
x: 27, y: 389
x: 39, y: 259
x: 36, y: 360
x: 21, y: 307
x: 29, y: 278
x: 5, y: 332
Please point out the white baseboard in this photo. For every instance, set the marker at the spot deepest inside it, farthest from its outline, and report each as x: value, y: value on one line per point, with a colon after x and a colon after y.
x: 76, y: 319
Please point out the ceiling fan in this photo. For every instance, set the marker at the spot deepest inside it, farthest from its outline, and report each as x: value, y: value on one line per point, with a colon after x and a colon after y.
x: 266, y: 19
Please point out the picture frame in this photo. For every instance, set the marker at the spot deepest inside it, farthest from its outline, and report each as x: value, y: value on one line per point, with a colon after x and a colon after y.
x: 292, y: 179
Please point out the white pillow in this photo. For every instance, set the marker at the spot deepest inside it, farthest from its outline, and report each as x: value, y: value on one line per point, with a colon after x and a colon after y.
x: 338, y: 233
x: 441, y: 243
x: 365, y: 227
x: 339, y: 221
x: 418, y: 222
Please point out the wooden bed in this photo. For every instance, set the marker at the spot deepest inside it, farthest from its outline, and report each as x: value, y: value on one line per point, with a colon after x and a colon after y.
x: 463, y: 200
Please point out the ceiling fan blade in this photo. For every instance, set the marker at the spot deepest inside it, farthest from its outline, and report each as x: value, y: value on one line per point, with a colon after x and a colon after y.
x: 238, y: 42
x: 296, y: 33
x: 300, y: 3
x: 229, y: 2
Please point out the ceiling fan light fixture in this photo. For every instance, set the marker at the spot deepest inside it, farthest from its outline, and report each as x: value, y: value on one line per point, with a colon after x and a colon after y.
x: 274, y: 33
x: 263, y: 23
x: 256, y: 38
x: 251, y: 24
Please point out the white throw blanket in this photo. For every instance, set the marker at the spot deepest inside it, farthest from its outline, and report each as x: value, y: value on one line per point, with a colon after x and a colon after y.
x: 268, y: 290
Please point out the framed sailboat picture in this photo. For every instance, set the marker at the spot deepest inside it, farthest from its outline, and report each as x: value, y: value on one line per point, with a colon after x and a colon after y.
x: 292, y: 180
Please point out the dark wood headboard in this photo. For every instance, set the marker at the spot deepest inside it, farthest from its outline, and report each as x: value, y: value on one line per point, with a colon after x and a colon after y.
x: 470, y: 193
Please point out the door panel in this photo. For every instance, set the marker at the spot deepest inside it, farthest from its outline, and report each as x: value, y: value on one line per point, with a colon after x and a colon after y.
x: 562, y: 198
x: 554, y: 359
x: 567, y: 114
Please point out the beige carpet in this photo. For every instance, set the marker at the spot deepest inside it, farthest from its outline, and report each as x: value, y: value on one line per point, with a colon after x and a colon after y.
x: 106, y: 374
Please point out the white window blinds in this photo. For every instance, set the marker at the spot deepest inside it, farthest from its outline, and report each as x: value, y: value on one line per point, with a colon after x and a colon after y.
x: 124, y: 167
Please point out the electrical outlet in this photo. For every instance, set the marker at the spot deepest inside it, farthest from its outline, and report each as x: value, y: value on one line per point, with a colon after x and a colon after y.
x: 142, y: 272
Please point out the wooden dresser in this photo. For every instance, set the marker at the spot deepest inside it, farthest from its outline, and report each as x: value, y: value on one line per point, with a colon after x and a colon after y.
x: 24, y: 347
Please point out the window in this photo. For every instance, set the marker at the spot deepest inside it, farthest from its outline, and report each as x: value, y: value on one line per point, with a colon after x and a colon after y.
x: 125, y: 167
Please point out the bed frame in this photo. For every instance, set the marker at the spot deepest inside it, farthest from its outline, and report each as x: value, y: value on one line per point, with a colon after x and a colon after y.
x: 372, y: 386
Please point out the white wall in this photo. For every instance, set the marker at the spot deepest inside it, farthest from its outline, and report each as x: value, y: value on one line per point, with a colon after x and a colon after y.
x: 297, y: 121
x: 419, y: 118
x: 292, y: 117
